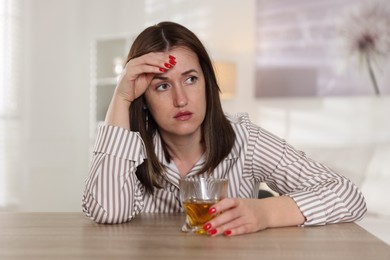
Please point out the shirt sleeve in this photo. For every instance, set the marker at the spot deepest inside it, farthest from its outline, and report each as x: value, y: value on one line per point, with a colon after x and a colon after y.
x: 322, y: 195
x: 113, y: 193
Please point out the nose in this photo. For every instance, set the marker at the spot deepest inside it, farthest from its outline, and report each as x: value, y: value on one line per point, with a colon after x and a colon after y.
x: 179, y: 97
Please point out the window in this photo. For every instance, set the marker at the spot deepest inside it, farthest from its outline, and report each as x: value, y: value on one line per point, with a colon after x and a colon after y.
x: 304, y: 49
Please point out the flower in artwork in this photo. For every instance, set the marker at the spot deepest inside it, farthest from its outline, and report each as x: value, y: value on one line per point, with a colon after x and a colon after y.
x: 367, y: 32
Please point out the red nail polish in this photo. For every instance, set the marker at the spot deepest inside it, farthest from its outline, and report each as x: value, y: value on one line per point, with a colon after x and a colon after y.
x: 227, y: 233
x: 212, y: 211
x: 207, y: 226
x: 173, y: 62
x: 169, y: 66
x: 162, y: 70
x: 172, y: 57
x: 212, y: 232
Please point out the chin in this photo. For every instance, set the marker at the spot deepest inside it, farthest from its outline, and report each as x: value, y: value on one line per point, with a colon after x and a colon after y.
x: 185, y: 130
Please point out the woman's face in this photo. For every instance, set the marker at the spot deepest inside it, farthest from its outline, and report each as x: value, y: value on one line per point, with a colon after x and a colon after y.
x: 177, y: 98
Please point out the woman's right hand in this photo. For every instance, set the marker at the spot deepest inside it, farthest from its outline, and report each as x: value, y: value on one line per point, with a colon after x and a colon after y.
x: 139, y: 72
x: 133, y: 82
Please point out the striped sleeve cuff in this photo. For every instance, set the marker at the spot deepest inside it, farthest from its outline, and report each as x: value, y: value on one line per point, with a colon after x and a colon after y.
x: 312, y: 209
x: 119, y: 142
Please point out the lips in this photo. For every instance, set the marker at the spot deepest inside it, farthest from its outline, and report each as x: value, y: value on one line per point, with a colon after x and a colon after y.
x: 183, y: 115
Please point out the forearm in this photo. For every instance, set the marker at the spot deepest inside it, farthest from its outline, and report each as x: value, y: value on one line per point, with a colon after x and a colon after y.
x: 118, y: 112
x: 322, y: 195
x: 111, y: 197
x: 280, y: 211
x: 113, y: 194
x: 330, y: 198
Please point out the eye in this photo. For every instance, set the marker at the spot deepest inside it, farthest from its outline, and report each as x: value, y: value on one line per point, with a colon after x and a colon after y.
x: 191, y: 80
x: 162, y: 87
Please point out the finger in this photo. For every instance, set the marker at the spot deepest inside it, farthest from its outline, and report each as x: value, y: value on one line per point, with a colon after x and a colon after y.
x: 218, y: 229
x: 162, y: 61
x: 238, y: 226
x: 133, y: 72
x: 239, y: 230
x: 224, y: 205
x: 225, y: 220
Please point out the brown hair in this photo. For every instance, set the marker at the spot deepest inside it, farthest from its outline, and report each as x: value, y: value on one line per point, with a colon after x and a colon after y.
x: 218, y: 135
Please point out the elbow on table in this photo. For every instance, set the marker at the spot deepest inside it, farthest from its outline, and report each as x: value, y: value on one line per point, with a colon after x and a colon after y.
x: 360, y: 210
x: 352, y: 204
x: 352, y: 212
x: 102, y: 215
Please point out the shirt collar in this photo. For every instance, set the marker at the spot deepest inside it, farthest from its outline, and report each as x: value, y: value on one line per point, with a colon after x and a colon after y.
x: 173, y: 173
x: 234, y: 153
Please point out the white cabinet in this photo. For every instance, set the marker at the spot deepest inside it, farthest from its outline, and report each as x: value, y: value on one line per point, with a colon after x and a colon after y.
x: 108, y: 55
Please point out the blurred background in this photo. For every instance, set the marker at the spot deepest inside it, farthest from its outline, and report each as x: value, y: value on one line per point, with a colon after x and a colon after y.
x: 57, y: 70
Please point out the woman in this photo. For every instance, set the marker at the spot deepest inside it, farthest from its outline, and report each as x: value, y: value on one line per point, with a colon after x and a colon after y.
x: 165, y: 121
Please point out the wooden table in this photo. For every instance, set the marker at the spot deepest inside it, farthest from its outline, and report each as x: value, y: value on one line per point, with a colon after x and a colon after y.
x: 158, y: 236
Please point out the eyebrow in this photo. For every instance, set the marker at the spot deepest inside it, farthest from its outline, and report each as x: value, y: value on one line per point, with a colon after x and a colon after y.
x: 158, y: 76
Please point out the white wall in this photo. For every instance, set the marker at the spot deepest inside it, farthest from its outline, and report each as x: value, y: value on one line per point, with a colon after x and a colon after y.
x: 55, y: 107
x: 344, y: 132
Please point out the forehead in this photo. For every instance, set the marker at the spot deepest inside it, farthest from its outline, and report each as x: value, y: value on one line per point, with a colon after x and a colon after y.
x: 184, y: 55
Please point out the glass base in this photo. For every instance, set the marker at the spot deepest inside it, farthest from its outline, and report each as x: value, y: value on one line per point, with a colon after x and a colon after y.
x: 190, y: 229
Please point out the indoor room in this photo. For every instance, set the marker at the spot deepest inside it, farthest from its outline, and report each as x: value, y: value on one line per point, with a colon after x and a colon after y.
x: 314, y: 73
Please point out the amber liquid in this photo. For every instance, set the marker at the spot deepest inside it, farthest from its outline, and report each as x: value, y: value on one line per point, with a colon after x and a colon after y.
x: 197, y: 211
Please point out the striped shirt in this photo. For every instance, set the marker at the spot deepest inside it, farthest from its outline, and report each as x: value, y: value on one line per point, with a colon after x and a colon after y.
x: 113, y: 194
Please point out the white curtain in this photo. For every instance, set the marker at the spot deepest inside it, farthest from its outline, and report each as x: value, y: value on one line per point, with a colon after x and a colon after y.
x: 10, y: 56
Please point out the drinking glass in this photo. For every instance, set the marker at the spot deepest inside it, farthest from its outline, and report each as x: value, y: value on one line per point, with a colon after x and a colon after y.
x: 197, y: 195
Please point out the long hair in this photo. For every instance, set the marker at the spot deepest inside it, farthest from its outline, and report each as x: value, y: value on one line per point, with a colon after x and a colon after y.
x: 218, y: 136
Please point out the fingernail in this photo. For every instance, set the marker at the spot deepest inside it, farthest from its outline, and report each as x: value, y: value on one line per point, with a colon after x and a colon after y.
x: 227, y: 233
x: 163, y: 70
x: 172, y: 57
x: 169, y: 66
x: 173, y: 62
x: 212, y: 211
x: 207, y: 226
x: 212, y: 232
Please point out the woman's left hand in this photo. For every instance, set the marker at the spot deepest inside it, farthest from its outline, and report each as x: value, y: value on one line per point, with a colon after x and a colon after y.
x: 235, y: 216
